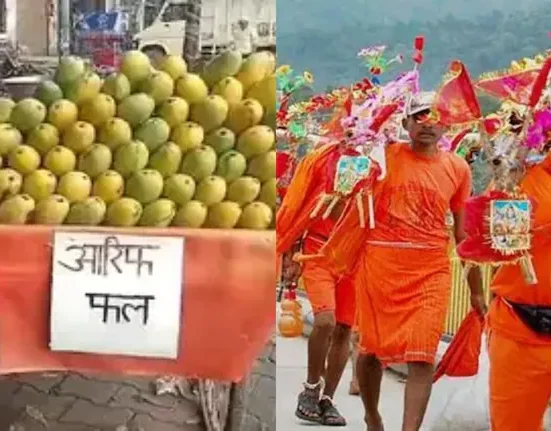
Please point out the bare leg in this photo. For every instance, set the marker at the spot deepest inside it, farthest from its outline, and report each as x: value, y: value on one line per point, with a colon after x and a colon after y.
x: 418, y: 389
x: 318, y: 345
x: 339, y: 352
x: 354, y: 385
x: 370, y: 375
x: 337, y: 358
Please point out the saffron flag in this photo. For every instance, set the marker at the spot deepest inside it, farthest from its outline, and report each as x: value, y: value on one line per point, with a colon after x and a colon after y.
x: 520, y: 85
x: 456, y: 102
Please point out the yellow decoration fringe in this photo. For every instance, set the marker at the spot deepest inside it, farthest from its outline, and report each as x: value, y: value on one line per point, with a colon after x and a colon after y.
x: 516, y: 67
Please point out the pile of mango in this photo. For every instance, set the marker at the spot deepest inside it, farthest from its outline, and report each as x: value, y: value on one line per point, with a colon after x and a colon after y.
x: 146, y: 146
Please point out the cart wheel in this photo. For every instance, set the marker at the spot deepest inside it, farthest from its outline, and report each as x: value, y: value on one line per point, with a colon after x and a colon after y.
x: 155, y: 54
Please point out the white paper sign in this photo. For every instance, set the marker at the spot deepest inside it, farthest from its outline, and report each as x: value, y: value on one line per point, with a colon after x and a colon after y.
x: 116, y: 294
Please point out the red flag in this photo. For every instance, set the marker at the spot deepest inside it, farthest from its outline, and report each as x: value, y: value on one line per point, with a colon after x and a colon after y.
x: 348, y: 104
x: 541, y: 83
x: 419, y: 43
x: 456, y: 102
x: 418, y: 48
x: 382, y: 116
x: 457, y: 139
x: 521, y: 86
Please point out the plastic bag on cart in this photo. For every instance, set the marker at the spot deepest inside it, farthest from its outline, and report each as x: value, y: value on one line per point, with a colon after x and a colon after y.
x: 461, y: 403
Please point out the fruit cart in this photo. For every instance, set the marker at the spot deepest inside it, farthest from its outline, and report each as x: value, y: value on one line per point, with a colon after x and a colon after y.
x: 227, y: 307
x: 88, y: 159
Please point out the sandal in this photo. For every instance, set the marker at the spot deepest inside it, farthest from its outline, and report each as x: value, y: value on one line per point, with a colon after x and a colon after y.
x: 330, y: 416
x: 308, y: 408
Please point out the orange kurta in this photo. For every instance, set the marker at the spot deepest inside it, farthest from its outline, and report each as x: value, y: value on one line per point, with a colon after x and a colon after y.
x: 293, y: 217
x: 520, y: 359
x: 402, y: 274
x: 327, y: 291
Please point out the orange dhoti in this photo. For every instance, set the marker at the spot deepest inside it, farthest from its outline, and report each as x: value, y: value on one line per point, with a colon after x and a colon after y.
x: 326, y: 290
x: 520, y: 382
x: 402, y: 298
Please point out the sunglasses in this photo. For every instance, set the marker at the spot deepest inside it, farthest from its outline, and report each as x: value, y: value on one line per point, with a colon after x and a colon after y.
x: 421, y: 117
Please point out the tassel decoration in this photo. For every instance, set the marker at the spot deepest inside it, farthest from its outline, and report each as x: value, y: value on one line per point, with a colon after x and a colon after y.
x: 321, y: 202
x: 371, y: 210
x: 332, y: 203
x: 360, y: 207
x: 528, y: 270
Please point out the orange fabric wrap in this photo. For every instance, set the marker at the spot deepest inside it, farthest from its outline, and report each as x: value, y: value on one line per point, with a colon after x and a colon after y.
x: 520, y: 384
x: 461, y: 357
x: 326, y: 290
x: 227, y: 305
x: 402, y: 297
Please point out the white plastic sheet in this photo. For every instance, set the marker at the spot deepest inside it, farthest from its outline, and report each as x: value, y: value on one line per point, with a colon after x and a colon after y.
x: 461, y: 404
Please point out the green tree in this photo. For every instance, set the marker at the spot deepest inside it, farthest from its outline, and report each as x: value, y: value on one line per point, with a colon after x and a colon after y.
x: 485, y: 36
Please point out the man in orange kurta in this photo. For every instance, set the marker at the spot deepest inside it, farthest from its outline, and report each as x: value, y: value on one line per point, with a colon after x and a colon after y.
x: 332, y: 296
x: 402, y: 274
x: 520, y: 357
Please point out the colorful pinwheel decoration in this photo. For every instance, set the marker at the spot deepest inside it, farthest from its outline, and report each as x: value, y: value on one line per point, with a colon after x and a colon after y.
x: 376, y: 62
x: 287, y: 83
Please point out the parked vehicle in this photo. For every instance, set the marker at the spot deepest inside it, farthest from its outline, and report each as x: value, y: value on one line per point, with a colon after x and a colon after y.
x: 166, y: 34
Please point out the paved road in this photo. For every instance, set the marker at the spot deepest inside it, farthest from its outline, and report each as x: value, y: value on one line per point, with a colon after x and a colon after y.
x: 448, y: 410
x: 76, y: 402
x: 291, y: 371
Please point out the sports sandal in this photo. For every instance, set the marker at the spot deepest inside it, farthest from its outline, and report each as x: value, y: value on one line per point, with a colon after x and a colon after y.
x: 330, y: 416
x: 308, y: 408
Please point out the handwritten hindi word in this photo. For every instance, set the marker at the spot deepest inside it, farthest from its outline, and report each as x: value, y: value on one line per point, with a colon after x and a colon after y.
x: 123, y: 304
x: 102, y: 258
x: 123, y: 291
